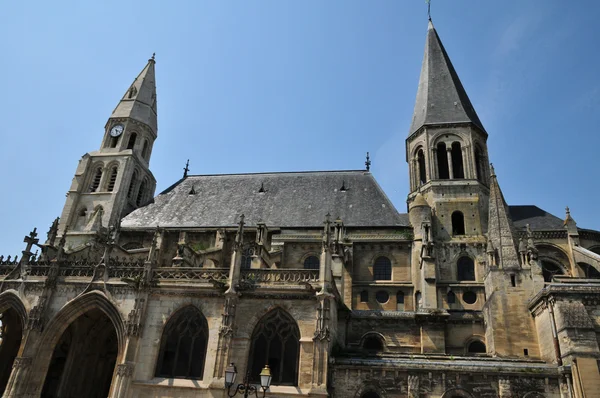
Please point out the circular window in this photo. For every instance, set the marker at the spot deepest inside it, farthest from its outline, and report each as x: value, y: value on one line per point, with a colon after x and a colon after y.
x: 382, y: 297
x: 469, y: 297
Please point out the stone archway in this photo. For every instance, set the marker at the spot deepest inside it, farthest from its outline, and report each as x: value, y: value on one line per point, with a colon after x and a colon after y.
x: 83, y: 360
x: 11, y: 332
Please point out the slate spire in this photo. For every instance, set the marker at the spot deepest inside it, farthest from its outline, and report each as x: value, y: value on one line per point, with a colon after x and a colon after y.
x: 139, y: 101
x: 441, y: 98
x: 500, y: 228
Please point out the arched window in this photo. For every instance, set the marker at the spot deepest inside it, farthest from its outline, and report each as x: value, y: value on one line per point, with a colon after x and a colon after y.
x: 312, y: 262
x: 373, y: 343
x: 400, y: 301
x: 364, y: 296
x: 442, y: 161
x: 131, y: 142
x: 457, y: 161
x: 479, y: 166
x: 141, y: 193
x: 590, y: 272
x: 247, y: 258
x: 81, y: 219
x: 145, y: 150
x: 421, y: 166
x: 451, y: 297
x: 183, y: 345
x: 112, y: 179
x: 418, y: 300
x: 275, y: 342
x: 476, y: 347
x: 96, y: 179
x: 549, y: 269
x: 382, y: 269
x: 458, y: 223
x: 465, y: 269
x: 113, y: 142
x: 132, y: 184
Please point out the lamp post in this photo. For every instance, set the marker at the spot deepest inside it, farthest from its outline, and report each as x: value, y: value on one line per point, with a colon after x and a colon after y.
x: 246, y: 388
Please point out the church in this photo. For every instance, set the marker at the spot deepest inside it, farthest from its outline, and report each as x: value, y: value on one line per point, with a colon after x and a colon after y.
x: 313, y: 279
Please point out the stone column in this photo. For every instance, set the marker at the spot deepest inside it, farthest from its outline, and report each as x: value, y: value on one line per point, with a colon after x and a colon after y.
x: 434, y: 164
x: 18, y: 381
x: 122, y: 380
x: 449, y: 154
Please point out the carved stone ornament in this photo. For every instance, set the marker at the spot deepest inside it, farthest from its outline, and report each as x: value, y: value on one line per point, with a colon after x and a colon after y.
x: 125, y: 369
x: 413, y: 386
x: 22, y: 362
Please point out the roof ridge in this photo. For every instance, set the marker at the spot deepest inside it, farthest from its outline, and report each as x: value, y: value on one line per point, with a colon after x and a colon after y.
x: 279, y: 172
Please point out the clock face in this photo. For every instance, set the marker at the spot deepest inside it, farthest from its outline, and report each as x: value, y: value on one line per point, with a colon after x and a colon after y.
x: 117, y: 130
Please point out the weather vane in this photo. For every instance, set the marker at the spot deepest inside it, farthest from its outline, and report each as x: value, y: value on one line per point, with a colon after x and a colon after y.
x: 368, y: 162
x: 186, y: 168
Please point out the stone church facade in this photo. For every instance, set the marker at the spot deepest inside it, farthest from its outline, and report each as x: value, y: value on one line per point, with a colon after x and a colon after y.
x: 314, y: 274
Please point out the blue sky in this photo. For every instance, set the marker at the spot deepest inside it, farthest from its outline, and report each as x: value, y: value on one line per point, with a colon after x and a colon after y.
x: 251, y: 86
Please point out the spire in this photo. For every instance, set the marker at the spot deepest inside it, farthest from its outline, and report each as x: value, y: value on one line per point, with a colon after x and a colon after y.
x: 441, y: 97
x: 500, y: 228
x: 139, y: 101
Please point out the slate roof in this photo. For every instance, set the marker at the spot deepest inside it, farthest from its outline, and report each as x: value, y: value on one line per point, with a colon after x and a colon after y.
x: 537, y: 218
x: 297, y: 199
x: 441, y: 97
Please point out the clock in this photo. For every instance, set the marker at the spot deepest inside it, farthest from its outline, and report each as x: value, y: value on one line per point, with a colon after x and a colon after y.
x: 117, y: 130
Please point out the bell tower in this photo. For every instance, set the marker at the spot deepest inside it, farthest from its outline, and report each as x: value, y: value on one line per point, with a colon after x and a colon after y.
x: 449, y: 177
x: 115, y: 179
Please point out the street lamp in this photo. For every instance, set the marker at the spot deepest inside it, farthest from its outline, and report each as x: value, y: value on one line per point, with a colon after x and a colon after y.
x: 246, y: 388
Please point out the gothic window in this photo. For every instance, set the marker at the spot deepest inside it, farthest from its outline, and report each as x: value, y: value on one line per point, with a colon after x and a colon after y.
x: 421, y: 166
x: 458, y: 223
x: 364, y: 296
x: 465, y: 269
x: 131, y: 142
x: 96, y: 179
x: 382, y: 269
x: 145, y: 150
x: 141, y: 193
x: 247, y: 258
x: 183, y: 345
x: 400, y: 301
x: 312, y: 262
x: 276, y: 342
x: 132, y: 184
x: 476, y: 347
x: 549, y: 269
x: 457, y: 161
x: 373, y: 343
x: 442, y: 161
x: 112, y: 179
x: 451, y: 297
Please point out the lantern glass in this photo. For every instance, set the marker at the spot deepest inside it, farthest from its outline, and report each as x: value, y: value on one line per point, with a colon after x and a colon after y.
x: 265, y: 377
x: 230, y: 375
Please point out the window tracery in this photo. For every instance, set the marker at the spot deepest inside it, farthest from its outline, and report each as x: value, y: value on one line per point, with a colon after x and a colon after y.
x: 276, y: 342
x: 183, y: 345
x: 382, y: 269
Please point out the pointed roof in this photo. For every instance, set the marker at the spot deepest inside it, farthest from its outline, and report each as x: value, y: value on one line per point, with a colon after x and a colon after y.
x: 139, y: 101
x: 441, y: 97
x: 500, y: 227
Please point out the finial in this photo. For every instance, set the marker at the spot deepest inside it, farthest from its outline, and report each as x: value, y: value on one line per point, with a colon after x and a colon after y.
x: 153, y: 56
x: 428, y: 9
x: 242, y: 217
x: 568, y: 211
x: 186, y: 169
x: 492, y: 171
x: 368, y: 162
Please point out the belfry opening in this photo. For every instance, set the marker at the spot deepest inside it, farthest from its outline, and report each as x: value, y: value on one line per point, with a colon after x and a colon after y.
x: 84, y: 358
